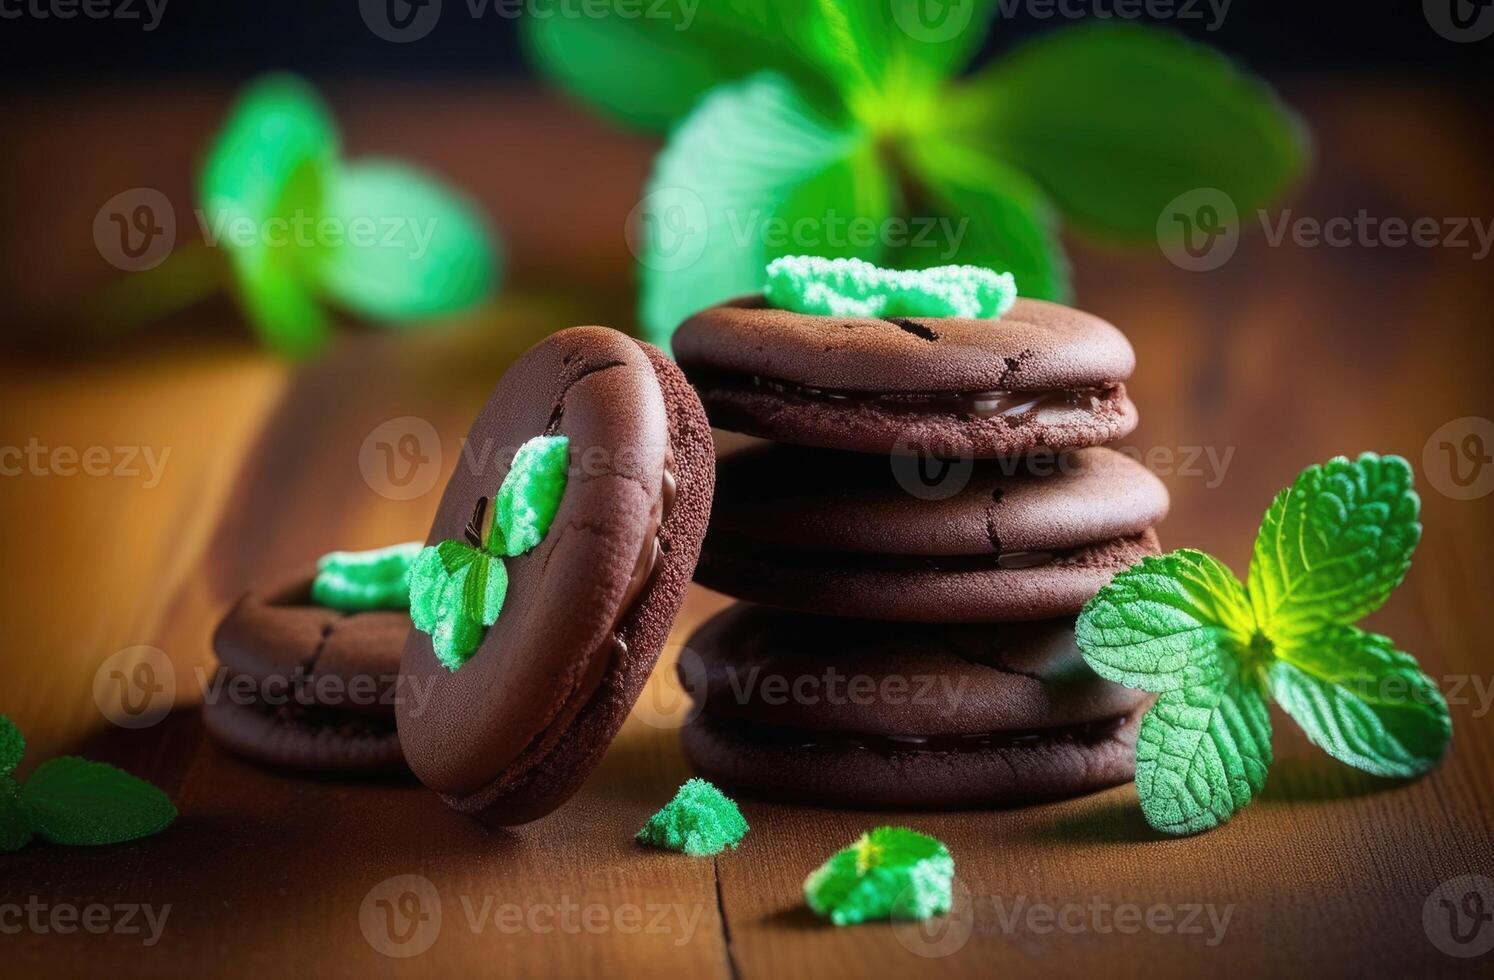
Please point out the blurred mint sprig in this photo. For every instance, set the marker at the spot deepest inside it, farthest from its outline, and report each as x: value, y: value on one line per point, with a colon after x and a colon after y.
x: 836, y: 116
x: 304, y: 228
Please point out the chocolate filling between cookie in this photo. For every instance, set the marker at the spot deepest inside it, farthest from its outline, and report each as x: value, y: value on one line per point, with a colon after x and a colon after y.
x: 976, y: 404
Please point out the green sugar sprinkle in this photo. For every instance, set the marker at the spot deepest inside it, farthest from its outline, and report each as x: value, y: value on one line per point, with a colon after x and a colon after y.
x: 851, y: 287
x: 890, y: 873
x: 700, y: 821
x: 355, y: 581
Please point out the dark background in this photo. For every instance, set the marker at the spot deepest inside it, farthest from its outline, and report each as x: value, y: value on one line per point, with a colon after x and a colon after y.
x: 210, y: 39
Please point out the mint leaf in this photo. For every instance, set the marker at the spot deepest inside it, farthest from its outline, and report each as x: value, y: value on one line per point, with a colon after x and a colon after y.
x: 456, y: 593
x: 1334, y: 545
x: 1362, y: 701
x: 75, y: 801
x: 1116, y: 120
x: 12, y: 746
x: 1202, y: 753
x: 410, y: 249
x: 270, y: 162
x: 993, y: 216
x: 863, y: 53
x: 890, y: 872
x: 15, y: 832
x: 750, y: 161
x: 1164, y: 624
x: 530, y: 494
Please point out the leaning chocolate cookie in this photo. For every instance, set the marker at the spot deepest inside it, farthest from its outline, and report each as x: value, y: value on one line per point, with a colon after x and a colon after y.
x: 581, y: 567
x: 991, y: 541
x: 869, y: 714
x: 306, y: 687
x: 1041, y: 376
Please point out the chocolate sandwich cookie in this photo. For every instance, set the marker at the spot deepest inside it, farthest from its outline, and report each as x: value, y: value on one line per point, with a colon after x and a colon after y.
x: 1042, y: 376
x: 302, y: 686
x: 851, y: 534
x: 871, y: 714
x: 514, y: 725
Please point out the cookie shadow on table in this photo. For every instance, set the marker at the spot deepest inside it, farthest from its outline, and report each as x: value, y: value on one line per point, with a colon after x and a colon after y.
x: 1115, y: 818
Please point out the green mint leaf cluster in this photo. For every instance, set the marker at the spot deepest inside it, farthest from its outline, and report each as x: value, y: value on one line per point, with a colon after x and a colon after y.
x: 457, y: 588
x: 889, y: 873
x: 74, y: 801
x: 303, y: 227
x: 1331, y: 549
x: 851, y: 287
x: 355, y: 581
x: 851, y: 130
x: 700, y: 820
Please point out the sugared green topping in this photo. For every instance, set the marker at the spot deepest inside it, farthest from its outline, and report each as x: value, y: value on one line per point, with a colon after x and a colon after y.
x: 890, y: 873
x: 457, y: 588
x: 700, y: 820
x: 851, y: 287
x: 355, y: 581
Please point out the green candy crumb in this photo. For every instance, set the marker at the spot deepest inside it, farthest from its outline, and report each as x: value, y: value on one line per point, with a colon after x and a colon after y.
x: 357, y: 581
x: 851, y: 287
x: 889, y: 873
x: 700, y: 820
x: 530, y: 494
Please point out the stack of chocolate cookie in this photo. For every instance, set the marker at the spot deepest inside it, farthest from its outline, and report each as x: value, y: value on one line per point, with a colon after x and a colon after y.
x: 932, y: 511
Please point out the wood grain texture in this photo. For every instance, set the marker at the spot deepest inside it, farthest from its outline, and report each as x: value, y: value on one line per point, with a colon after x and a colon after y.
x: 1283, y: 357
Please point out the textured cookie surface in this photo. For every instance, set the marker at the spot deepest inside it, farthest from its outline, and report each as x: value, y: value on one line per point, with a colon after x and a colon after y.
x: 869, y: 677
x: 510, y: 735
x: 788, y: 765
x: 860, y: 383
x: 789, y: 497
x: 305, y: 687
x: 923, y: 589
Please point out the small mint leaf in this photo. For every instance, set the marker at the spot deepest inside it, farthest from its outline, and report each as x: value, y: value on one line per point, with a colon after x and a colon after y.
x: 75, y: 801
x: 530, y: 495
x: 456, y: 592
x: 1334, y: 545
x: 12, y: 746
x: 1202, y: 753
x: 15, y: 832
x: 1164, y: 624
x: 1362, y: 701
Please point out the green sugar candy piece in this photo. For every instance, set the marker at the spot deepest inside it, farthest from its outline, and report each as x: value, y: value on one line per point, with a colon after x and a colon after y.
x: 530, y: 494
x: 851, y: 287
x: 890, y: 873
x: 356, y: 581
x: 700, y: 820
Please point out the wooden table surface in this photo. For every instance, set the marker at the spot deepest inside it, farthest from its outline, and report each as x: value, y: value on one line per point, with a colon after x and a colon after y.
x: 1283, y: 357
